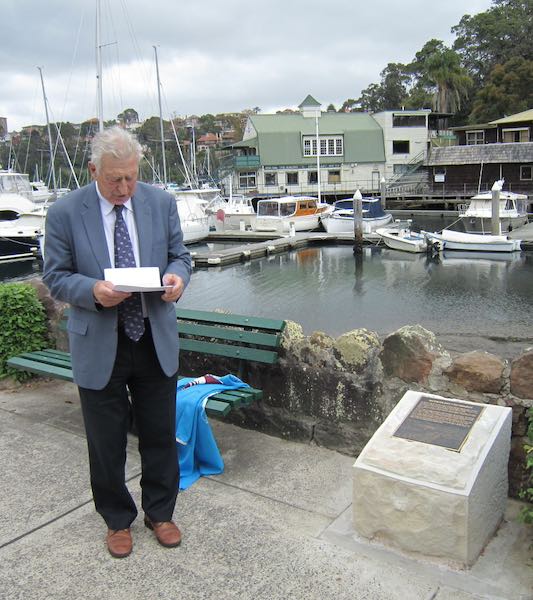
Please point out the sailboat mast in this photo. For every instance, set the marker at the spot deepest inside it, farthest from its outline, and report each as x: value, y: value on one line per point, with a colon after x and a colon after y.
x: 49, y: 132
x: 161, y: 119
x: 100, y: 97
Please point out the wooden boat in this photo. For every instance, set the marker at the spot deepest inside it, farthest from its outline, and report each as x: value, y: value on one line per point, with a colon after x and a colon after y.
x: 400, y: 237
x: 456, y: 240
x: 340, y: 220
x: 300, y: 213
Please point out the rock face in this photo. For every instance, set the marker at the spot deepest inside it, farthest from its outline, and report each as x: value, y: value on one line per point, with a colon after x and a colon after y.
x: 410, y: 353
x: 522, y: 375
x: 477, y: 372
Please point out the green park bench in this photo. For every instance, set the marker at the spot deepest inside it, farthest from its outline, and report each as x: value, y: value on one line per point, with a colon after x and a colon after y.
x: 245, y: 339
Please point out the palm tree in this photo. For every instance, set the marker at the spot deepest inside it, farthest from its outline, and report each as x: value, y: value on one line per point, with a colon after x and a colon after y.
x: 451, y: 80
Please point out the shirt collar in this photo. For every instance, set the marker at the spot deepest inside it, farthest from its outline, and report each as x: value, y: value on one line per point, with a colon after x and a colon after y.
x: 106, y: 206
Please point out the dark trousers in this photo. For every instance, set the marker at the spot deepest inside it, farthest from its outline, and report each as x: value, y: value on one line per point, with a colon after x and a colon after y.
x: 106, y: 414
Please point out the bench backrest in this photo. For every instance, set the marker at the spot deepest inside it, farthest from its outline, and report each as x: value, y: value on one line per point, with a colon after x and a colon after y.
x: 247, y: 338
x: 255, y: 339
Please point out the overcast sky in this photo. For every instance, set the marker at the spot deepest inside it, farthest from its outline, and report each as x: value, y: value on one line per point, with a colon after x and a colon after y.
x: 214, y: 56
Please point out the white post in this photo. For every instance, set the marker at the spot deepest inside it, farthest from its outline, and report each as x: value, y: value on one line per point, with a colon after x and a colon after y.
x: 383, y: 193
x: 495, y: 216
x: 358, y: 222
x: 317, y: 114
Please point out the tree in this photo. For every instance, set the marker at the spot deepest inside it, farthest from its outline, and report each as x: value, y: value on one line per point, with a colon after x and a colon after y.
x: 509, y: 90
x: 128, y: 117
x: 495, y: 36
x: 391, y: 93
x: 438, y: 72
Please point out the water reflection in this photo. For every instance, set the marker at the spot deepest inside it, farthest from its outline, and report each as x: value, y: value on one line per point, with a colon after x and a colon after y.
x: 381, y: 290
x: 464, y: 295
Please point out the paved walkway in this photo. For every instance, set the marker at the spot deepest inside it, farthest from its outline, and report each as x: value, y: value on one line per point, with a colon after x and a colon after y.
x: 275, y: 526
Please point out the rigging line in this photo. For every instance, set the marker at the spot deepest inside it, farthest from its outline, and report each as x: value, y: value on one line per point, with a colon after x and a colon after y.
x: 144, y: 65
x: 74, y: 56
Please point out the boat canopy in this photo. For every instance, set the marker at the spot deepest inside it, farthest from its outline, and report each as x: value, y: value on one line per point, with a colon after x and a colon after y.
x: 371, y: 207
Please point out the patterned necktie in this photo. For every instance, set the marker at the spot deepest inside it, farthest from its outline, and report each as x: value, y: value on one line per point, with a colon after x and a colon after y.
x: 130, y: 313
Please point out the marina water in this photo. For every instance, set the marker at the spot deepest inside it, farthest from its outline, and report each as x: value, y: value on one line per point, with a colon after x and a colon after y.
x: 471, y: 301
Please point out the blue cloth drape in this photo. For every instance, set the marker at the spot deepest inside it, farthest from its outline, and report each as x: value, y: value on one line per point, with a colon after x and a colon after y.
x: 198, y: 451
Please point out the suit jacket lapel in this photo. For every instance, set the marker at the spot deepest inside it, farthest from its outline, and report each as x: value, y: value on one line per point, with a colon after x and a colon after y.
x: 143, y: 221
x: 91, y: 217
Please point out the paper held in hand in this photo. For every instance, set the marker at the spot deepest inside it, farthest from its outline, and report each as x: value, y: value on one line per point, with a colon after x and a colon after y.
x: 135, y: 279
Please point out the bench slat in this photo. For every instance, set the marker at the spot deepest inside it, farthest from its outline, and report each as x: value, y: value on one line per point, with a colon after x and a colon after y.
x: 224, y: 333
x: 216, y: 408
x: 253, y: 354
x: 230, y: 319
x: 40, y: 368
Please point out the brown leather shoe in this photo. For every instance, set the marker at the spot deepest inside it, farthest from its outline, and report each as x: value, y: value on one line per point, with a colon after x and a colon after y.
x: 119, y: 542
x: 166, y: 532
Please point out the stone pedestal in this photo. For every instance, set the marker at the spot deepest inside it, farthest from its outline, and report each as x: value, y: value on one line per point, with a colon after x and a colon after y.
x: 428, y: 499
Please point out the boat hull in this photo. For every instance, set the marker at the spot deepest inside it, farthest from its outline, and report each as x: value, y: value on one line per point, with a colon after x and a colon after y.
x: 333, y: 223
x: 471, y: 242
x: 404, y: 240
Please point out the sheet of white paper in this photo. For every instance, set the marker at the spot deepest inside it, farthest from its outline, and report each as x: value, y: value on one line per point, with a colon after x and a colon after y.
x: 135, y: 279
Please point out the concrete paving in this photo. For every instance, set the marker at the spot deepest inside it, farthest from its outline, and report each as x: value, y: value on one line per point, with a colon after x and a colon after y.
x: 275, y: 525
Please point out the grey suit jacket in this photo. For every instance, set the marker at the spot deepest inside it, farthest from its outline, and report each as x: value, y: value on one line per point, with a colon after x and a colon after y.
x: 76, y: 255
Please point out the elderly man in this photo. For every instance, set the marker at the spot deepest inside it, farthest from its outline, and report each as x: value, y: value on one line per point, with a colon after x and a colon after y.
x: 120, y: 341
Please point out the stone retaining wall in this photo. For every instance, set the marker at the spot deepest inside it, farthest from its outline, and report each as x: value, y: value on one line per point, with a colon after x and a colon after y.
x: 335, y: 392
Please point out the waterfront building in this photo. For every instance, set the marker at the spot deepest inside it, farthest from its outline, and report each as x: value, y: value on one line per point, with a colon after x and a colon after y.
x: 309, y: 151
x: 500, y: 149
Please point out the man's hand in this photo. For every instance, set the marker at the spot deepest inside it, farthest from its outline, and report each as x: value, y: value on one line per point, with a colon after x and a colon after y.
x: 172, y: 294
x: 105, y: 295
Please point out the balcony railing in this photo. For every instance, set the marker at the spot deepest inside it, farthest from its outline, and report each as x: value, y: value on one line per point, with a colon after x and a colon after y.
x: 247, y: 162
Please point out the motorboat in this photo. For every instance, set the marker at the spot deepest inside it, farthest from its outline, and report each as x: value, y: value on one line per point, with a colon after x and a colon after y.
x: 290, y: 213
x: 193, y: 218
x: 477, y: 216
x: 401, y: 237
x: 18, y: 241
x: 15, y: 195
x: 341, y: 219
x: 477, y: 242
x: 232, y: 214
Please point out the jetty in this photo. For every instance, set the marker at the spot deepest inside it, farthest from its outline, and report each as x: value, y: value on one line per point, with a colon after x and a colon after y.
x: 255, y: 244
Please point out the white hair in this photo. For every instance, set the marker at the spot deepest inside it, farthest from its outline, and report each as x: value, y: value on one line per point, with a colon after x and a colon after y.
x: 115, y: 142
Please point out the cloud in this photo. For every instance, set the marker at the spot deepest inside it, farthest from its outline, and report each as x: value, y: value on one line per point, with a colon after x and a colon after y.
x: 213, y: 57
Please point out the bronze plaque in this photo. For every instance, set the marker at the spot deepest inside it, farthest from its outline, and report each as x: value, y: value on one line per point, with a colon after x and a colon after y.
x: 439, y: 422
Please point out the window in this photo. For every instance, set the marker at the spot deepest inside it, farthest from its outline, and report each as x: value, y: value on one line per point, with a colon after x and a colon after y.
x: 271, y: 178
x: 247, y: 179
x: 312, y: 177
x: 334, y: 176
x: 400, y: 147
x: 292, y: 178
x: 475, y: 138
x: 408, y: 120
x: 400, y: 169
x: 287, y: 209
x: 515, y: 135
x: 329, y: 145
x: 526, y: 172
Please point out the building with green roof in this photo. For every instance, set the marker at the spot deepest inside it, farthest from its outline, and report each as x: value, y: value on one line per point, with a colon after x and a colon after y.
x: 278, y: 153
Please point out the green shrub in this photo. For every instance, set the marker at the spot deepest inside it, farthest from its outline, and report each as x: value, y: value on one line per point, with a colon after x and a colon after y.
x: 527, y: 493
x: 22, y: 325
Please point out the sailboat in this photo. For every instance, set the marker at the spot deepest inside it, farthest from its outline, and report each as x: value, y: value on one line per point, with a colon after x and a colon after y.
x: 191, y: 207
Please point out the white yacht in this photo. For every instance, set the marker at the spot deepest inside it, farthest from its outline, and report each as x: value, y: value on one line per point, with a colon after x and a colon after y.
x: 477, y: 215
